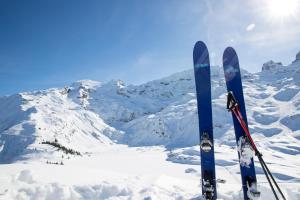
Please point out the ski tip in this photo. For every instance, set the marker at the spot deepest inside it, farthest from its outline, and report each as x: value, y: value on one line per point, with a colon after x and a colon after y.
x: 200, y: 53
x: 200, y: 44
x: 229, y: 49
x: 229, y: 52
x: 230, y: 56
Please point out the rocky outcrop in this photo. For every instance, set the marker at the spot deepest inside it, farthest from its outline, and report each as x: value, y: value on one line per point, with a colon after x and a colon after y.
x: 271, y: 65
x: 298, y: 56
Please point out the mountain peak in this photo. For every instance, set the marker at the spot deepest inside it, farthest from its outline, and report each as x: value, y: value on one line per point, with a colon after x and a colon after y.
x: 298, y: 56
x: 271, y: 65
x: 89, y: 84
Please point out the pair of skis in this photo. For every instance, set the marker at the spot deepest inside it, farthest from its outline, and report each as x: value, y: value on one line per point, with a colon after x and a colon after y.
x: 235, y: 104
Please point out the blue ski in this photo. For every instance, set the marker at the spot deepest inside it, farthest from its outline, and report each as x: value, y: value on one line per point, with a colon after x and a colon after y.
x: 203, y: 90
x: 235, y: 91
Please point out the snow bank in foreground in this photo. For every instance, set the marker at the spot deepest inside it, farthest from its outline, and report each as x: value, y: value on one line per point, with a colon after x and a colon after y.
x: 25, y: 187
x: 161, y: 180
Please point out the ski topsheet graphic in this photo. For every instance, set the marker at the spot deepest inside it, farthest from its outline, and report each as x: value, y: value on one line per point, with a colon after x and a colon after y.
x: 235, y: 95
x: 203, y: 90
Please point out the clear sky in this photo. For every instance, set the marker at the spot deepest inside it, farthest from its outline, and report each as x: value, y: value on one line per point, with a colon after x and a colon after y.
x: 52, y: 43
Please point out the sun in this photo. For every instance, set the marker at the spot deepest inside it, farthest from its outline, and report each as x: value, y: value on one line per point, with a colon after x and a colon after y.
x: 282, y: 9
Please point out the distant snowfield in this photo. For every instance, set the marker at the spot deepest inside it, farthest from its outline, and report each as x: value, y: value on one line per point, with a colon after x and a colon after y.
x: 140, y: 142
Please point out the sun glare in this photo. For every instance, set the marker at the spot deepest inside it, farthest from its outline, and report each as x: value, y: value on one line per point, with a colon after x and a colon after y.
x: 282, y: 8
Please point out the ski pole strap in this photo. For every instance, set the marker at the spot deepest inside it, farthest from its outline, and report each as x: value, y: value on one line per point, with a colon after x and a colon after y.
x: 231, y: 101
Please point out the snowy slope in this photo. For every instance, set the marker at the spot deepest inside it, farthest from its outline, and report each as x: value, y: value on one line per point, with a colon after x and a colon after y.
x: 28, y: 119
x: 98, y: 120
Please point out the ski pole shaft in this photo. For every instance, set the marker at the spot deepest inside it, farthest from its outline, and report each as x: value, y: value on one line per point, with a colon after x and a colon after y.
x: 270, y: 174
x: 266, y: 170
x: 267, y: 175
x: 239, y: 116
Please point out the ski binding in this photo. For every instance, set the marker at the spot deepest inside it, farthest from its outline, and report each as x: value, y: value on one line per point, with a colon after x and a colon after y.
x: 206, y: 144
x: 252, y: 192
x: 208, y: 190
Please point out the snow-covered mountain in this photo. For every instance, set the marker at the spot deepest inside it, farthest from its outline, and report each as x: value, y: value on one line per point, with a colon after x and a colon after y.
x: 88, y: 115
x: 160, y: 112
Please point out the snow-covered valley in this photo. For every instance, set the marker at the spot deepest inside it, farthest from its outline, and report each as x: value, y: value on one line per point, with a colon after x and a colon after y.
x: 94, y: 140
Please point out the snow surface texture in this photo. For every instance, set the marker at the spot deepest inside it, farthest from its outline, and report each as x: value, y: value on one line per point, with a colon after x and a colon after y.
x: 95, y: 140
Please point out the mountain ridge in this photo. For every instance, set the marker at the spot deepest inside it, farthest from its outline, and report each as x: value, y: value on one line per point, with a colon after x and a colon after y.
x: 160, y: 112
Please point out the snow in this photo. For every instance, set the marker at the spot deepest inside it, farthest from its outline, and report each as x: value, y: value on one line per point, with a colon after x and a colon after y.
x: 141, y: 141
x: 111, y: 174
x: 245, y: 152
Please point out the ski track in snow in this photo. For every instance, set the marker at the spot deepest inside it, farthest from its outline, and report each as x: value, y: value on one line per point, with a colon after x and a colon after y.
x: 140, y: 142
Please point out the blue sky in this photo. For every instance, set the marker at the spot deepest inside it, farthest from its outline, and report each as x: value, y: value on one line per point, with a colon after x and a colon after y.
x: 52, y: 43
